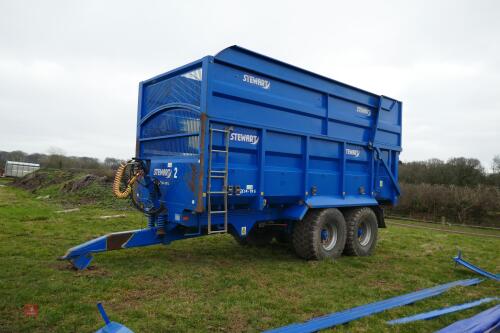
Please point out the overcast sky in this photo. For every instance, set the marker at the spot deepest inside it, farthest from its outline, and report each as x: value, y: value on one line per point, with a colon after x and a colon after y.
x: 69, y: 70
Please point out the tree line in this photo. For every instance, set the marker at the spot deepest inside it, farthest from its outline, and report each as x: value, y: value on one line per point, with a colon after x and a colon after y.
x: 459, y: 171
x: 458, y: 190
x: 56, y: 159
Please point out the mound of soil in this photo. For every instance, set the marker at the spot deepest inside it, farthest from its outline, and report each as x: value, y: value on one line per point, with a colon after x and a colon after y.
x: 71, y: 180
x: 42, y: 178
x: 79, y: 184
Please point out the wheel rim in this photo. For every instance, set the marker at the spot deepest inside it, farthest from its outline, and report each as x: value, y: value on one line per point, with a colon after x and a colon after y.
x: 364, y: 233
x: 329, y: 237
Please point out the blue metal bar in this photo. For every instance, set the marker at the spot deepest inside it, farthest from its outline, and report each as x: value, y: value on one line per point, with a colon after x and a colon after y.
x: 343, y: 317
x: 376, y: 121
x: 111, y: 326
x: 178, y: 135
x: 180, y: 70
x: 443, y: 311
x: 487, y: 321
x: 391, y: 176
x: 305, y: 177
x: 458, y: 259
x: 262, y: 163
x: 151, y: 221
x: 103, y: 313
x: 331, y: 138
x: 166, y: 107
x: 342, y: 169
x: 81, y: 255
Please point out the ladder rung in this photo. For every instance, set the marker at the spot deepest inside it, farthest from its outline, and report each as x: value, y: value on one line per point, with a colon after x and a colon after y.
x: 212, y: 176
x: 219, y: 151
x: 218, y: 231
x: 219, y: 130
x: 218, y: 171
x: 218, y: 212
x: 217, y: 192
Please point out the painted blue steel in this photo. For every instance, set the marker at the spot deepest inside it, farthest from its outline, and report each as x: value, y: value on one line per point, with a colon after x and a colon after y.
x: 81, y: 255
x: 103, y: 313
x: 151, y: 221
x: 443, y: 311
x: 111, y: 326
x: 298, y: 140
x: 458, y: 259
x: 343, y: 317
x: 310, y: 130
x: 162, y: 219
x: 487, y: 321
x: 82, y: 261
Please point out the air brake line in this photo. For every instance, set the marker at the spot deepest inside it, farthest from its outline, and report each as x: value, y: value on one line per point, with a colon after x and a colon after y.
x: 118, y: 179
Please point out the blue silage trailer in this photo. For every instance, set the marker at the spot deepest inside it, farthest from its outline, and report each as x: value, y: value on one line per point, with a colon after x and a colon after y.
x: 249, y: 145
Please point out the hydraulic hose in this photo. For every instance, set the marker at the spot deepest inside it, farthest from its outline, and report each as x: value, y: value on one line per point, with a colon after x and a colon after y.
x: 118, y: 180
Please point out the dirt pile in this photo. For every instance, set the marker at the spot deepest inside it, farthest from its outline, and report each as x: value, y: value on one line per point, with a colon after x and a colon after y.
x: 78, y: 184
x: 73, y: 187
x: 42, y: 179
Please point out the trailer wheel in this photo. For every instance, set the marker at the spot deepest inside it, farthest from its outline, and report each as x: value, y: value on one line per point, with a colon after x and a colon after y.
x: 320, y: 235
x: 362, y: 230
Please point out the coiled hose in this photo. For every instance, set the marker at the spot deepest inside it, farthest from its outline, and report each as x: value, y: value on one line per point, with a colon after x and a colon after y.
x: 118, y: 180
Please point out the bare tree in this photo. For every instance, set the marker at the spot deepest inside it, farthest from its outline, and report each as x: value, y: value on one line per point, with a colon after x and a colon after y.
x: 495, y: 165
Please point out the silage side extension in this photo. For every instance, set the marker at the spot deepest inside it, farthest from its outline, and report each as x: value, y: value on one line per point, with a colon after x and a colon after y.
x: 245, y: 144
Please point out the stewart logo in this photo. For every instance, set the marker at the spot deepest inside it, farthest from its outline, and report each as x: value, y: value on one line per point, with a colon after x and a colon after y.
x: 352, y: 152
x: 252, y: 139
x: 362, y: 110
x: 264, y: 84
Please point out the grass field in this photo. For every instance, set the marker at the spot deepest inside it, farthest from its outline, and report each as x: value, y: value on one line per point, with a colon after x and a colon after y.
x: 211, y: 283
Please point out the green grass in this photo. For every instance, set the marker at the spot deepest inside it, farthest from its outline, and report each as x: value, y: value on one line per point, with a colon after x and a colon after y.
x: 211, y: 283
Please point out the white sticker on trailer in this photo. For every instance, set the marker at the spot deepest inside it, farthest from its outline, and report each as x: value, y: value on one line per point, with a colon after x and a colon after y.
x: 263, y: 83
x: 353, y: 152
x: 240, y: 137
x: 363, y: 110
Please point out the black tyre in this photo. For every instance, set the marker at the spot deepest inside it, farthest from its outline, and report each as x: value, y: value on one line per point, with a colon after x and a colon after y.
x: 256, y: 237
x: 320, y: 235
x: 362, y: 231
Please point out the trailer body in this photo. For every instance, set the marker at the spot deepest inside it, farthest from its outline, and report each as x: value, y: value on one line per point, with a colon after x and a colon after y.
x: 237, y: 139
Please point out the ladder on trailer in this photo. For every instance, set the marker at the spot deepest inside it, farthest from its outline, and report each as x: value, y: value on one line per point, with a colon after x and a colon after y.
x: 218, y: 174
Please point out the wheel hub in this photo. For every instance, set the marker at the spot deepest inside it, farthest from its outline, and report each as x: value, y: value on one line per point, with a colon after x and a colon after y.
x: 364, y: 234
x: 328, y: 237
